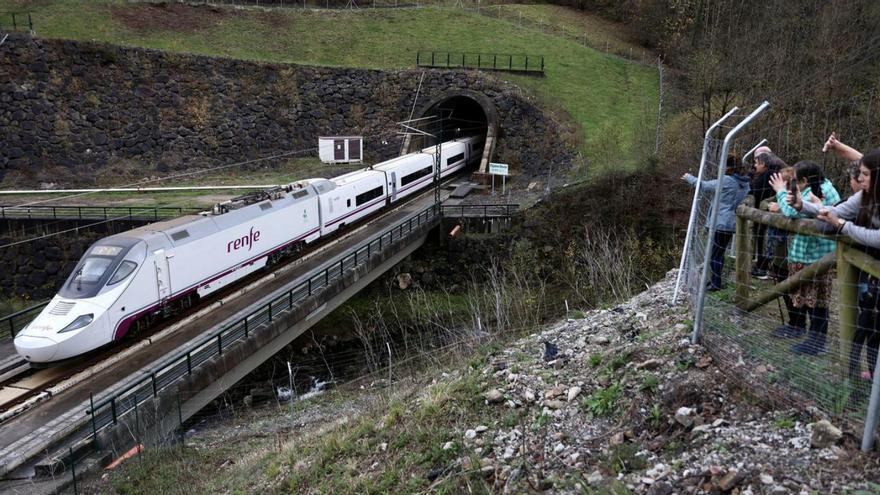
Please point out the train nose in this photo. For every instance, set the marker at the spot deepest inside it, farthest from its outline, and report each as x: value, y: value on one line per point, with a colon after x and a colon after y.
x: 37, y: 349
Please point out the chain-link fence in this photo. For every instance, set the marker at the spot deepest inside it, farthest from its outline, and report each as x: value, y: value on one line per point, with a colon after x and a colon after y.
x: 788, y: 310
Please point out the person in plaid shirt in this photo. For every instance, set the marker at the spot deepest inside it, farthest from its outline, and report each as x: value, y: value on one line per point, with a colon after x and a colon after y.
x: 804, y: 250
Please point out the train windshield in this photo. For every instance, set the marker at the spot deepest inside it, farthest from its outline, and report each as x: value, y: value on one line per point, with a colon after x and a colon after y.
x: 93, y: 271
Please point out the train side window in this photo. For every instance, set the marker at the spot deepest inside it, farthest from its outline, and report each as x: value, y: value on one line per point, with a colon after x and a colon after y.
x: 454, y: 159
x: 348, y: 203
x: 367, y: 196
x: 124, y: 270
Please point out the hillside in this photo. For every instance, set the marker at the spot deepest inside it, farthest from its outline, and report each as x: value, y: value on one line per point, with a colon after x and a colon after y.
x: 610, y: 102
x: 621, y: 404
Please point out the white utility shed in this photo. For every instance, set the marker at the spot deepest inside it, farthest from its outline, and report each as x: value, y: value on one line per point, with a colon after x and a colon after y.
x: 341, y: 149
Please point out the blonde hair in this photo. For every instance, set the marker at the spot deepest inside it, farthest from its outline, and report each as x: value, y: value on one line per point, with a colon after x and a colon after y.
x: 787, y: 173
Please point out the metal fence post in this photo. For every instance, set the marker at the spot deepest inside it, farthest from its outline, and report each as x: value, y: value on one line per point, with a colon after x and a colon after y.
x: 693, y: 218
x: 871, y: 418
x: 716, y: 203
x: 73, y: 471
x: 92, y: 411
x: 743, y: 260
x: 180, y: 418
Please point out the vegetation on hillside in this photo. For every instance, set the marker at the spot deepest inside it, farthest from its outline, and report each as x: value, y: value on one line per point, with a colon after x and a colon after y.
x: 816, y: 61
x: 611, y: 100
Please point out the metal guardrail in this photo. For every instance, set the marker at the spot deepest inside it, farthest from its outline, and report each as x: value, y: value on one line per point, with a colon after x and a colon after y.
x: 16, y: 321
x: 108, y: 410
x: 481, y: 61
x: 47, y: 212
x: 488, y: 211
x: 16, y: 21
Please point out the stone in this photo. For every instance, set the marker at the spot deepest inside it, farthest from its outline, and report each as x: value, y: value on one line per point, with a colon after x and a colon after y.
x: 701, y: 429
x: 824, y: 434
x: 595, y: 478
x: 649, y: 364
x: 659, y: 488
x: 554, y: 404
x: 730, y: 480
x: 470, y: 434
x: 529, y: 395
x: 448, y: 445
x: 494, y: 396
x: 684, y: 416
x: 553, y: 392
x: 558, y: 448
x: 404, y: 280
x: 508, y: 453
x: 599, y: 339
x: 766, y: 479
x: 573, y: 392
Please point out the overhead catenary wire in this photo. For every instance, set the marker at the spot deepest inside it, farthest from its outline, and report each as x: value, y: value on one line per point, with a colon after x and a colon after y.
x: 428, y: 120
x: 177, y: 176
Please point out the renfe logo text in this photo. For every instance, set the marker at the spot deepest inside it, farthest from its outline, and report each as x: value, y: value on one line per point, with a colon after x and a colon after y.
x: 247, y: 240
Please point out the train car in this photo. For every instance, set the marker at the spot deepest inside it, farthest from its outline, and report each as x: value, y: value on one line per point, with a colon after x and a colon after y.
x: 353, y: 196
x: 409, y: 173
x: 130, y: 278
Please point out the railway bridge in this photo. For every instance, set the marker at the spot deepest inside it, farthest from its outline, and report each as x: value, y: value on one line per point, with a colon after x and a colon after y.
x: 141, y: 394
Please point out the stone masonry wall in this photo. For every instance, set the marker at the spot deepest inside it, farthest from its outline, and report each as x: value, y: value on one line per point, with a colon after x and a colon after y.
x: 69, y: 110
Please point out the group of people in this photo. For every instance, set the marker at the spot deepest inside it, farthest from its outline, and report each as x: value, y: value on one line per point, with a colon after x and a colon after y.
x: 803, y: 191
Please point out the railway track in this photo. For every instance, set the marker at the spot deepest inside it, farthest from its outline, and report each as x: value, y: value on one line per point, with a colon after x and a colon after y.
x: 23, y: 387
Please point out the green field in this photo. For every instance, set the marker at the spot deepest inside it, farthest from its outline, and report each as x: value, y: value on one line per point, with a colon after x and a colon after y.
x: 608, y: 103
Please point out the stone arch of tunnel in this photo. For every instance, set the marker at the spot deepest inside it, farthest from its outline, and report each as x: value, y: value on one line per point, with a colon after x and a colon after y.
x: 460, y: 113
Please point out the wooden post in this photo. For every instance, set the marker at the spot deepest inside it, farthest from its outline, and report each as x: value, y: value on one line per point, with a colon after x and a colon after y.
x: 847, y: 302
x: 743, y: 260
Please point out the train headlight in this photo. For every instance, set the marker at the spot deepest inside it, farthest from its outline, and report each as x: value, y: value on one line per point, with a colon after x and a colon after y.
x: 78, y: 323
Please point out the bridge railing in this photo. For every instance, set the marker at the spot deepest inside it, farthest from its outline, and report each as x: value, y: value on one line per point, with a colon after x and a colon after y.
x: 14, y: 322
x: 50, y: 212
x: 487, y: 211
x: 108, y: 410
x: 481, y: 61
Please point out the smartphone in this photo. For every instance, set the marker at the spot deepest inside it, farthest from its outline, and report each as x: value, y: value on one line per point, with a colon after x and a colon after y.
x: 792, y: 185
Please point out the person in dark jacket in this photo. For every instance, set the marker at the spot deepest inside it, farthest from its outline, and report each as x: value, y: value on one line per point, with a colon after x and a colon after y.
x: 766, y: 164
x: 734, y: 189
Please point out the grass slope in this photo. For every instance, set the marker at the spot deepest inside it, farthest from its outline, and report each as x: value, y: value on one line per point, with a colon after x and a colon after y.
x: 613, y: 102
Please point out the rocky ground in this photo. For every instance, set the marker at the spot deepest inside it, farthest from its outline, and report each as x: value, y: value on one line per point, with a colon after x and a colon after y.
x: 629, y: 402
x: 615, y: 402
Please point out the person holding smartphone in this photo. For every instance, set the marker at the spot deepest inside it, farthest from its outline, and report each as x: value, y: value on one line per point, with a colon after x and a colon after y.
x: 734, y: 189
x: 859, y: 219
x: 811, y: 187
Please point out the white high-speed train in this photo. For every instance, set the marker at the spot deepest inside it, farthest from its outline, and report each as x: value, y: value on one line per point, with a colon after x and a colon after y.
x: 129, y: 280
